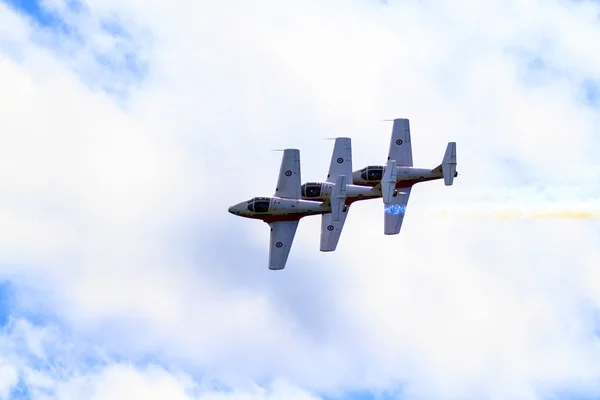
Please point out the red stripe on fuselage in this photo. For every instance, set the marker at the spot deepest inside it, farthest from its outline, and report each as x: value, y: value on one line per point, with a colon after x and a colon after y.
x: 407, y: 184
x: 281, y: 218
x: 403, y: 184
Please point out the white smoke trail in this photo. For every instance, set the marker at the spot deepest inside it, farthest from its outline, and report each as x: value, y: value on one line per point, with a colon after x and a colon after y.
x: 549, y: 202
x: 520, y: 214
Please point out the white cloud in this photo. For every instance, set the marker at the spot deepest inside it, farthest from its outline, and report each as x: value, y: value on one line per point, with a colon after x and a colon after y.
x: 114, y: 209
x: 51, y: 367
x: 8, y: 378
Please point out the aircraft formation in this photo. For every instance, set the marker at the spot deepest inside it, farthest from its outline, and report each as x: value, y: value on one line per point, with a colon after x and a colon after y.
x: 332, y: 198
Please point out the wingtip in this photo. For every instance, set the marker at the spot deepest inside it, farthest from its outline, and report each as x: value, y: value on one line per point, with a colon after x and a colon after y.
x: 395, y: 119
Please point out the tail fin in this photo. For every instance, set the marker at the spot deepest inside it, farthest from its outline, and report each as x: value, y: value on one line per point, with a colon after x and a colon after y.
x: 448, y: 165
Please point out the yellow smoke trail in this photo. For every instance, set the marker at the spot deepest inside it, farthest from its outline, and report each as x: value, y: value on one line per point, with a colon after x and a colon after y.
x: 549, y: 202
x: 530, y: 203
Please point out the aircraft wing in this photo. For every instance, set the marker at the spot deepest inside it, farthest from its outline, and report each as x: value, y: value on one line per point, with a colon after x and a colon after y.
x: 341, y: 160
x: 331, y: 230
x: 340, y: 172
x: 400, y: 146
x: 394, y: 212
x: 288, y: 184
x: 282, y: 237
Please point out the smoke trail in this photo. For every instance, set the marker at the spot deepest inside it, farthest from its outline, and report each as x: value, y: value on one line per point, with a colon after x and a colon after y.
x: 505, y: 215
x: 561, y: 202
x: 582, y: 192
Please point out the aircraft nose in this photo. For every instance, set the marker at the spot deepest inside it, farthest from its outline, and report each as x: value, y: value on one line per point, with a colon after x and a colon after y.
x: 235, y: 209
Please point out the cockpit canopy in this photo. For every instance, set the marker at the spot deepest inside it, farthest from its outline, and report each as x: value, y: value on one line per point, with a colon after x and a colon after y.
x: 259, y: 204
x: 372, y: 173
x: 310, y: 190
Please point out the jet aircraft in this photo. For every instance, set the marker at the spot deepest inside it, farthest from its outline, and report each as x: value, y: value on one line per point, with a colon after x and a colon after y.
x: 332, y: 198
x: 285, y: 208
x: 340, y: 165
x: 399, y: 173
x: 367, y: 183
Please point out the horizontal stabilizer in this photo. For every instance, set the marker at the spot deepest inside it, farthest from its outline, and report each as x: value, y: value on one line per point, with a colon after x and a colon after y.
x: 338, y: 197
x: 449, y: 164
x: 388, y: 183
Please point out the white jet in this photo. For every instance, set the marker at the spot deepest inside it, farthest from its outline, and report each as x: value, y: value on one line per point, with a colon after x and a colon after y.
x: 284, y: 210
x: 340, y: 165
x: 399, y: 173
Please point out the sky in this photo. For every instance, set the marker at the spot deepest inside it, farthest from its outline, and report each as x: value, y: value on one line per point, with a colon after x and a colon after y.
x: 127, y: 128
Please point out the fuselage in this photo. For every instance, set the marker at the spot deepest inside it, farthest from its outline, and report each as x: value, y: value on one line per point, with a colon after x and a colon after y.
x: 272, y: 209
x: 406, y: 176
x: 321, y: 191
x: 365, y: 183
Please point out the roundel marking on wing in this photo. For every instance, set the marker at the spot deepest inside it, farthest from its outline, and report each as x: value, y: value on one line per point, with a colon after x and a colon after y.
x: 340, y: 160
x: 330, y: 228
x: 278, y: 244
x: 288, y: 173
x: 399, y: 141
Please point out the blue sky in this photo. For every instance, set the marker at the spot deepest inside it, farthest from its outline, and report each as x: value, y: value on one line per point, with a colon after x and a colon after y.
x: 118, y: 68
x: 148, y: 287
x: 592, y: 91
x: 35, y: 10
x: 5, y: 297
